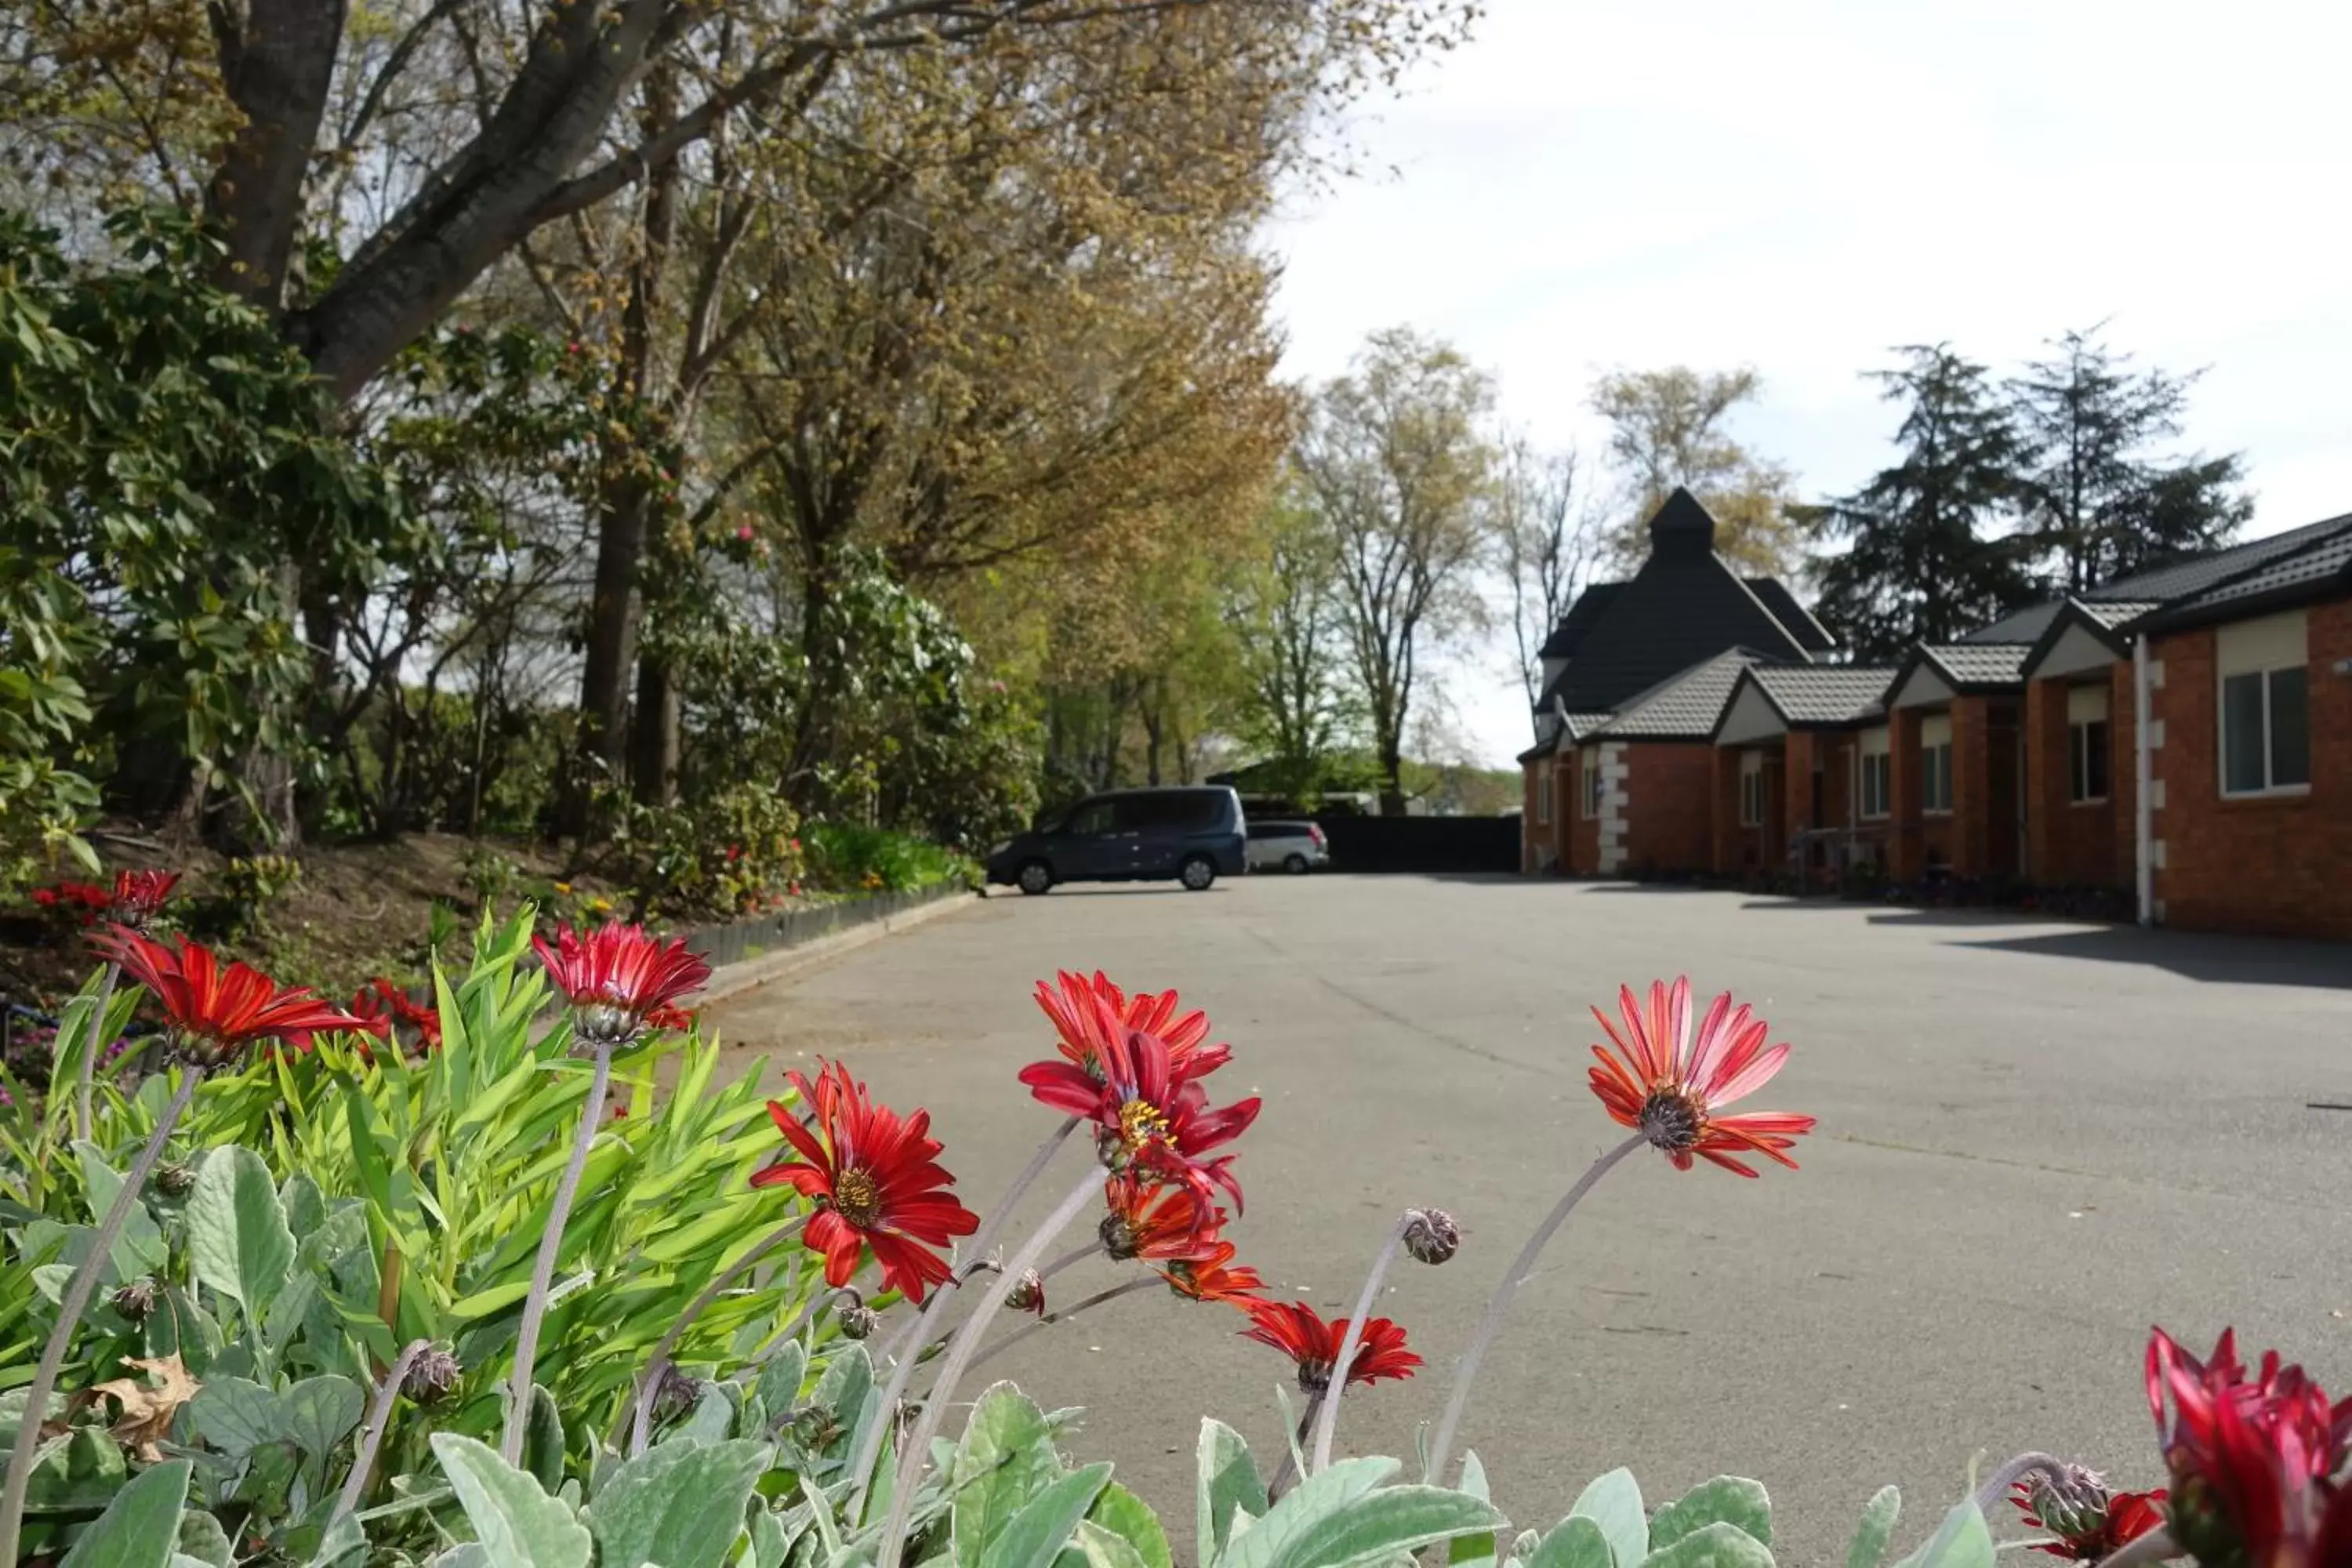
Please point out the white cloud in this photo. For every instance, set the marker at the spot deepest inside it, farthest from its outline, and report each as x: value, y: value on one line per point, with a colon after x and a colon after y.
x: 1801, y: 186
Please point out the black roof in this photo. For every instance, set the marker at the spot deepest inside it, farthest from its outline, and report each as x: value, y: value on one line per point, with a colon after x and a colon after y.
x: 1569, y: 633
x: 2317, y: 564
x: 1685, y: 707
x: 1823, y: 696
x: 1682, y: 608
x: 1791, y: 614
x: 2023, y: 625
x: 2196, y: 575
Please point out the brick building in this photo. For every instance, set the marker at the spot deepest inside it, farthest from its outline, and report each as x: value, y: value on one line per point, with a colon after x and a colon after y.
x: 1801, y: 771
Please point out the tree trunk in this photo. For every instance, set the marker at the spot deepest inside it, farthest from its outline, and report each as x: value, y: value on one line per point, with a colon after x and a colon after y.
x: 601, y: 752
x: 653, y: 742
x: 1392, y: 774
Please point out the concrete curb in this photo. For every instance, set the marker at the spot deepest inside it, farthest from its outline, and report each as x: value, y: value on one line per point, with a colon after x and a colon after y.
x: 734, y: 979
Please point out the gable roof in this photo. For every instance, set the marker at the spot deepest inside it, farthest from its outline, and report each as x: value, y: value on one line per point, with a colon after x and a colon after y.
x: 2318, y: 566
x: 1569, y: 633
x: 1683, y: 607
x: 2018, y: 625
x: 2196, y: 575
x: 1684, y: 707
x: 1800, y: 622
x: 1962, y: 668
x: 1812, y: 696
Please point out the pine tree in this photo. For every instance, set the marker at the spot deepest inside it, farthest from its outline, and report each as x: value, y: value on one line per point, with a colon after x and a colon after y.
x: 2095, y: 504
x: 1915, y: 558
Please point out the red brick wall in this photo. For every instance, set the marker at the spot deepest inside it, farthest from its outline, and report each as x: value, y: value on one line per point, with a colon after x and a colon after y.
x: 1583, y: 857
x: 1980, y: 838
x: 2074, y: 844
x: 1906, y: 838
x: 1670, y: 807
x: 1542, y: 840
x: 1733, y: 844
x: 2279, y: 866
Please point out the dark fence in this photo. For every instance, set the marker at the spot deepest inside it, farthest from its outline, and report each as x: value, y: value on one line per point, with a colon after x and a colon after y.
x: 1424, y: 844
x: 732, y: 943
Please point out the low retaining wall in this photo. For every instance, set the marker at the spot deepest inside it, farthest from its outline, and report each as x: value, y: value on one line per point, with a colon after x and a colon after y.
x: 720, y: 945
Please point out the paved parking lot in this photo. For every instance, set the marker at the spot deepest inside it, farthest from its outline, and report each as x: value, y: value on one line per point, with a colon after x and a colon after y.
x: 2035, y: 1139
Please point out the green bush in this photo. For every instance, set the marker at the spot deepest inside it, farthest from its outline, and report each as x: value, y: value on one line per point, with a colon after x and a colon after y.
x: 845, y: 858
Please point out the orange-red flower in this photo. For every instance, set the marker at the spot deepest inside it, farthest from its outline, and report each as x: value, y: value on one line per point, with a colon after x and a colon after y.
x: 1296, y: 1330
x: 2250, y: 1457
x: 1149, y: 1116
x: 1088, y: 1012
x: 139, y: 896
x: 2094, y: 1533
x: 215, y: 1012
x: 875, y: 1185
x: 384, y: 1010
x: 671, y: 1020
x: 1213, y: 1277
x: 615, y: 975
x: 1156, y: 1222
x: 1669, y: 1088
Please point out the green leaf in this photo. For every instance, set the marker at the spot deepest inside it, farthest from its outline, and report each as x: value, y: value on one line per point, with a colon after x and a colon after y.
x: 237, y: 1416
x: 1383, y: 1523
x: 1473, y: 1550
x: 306, y: 1207
x: 345, y: 1541
x: 1962, y: 1541
x: 202, y: 1538
x: 1006, y: 1459
x: 237, y: 1236
x: 1103, y: 1547
x: 1228, y: 1480
x: 1876, y: 1529
x: 848, y: 1379
x: 779, y: 1387
x: 1036, y: 1535
x: 676, y: 1506
x: 1128, y: 1517
x: 139, y: 1249
x: 543, y: 1440
x: 321, y: 1413
x: 1325, y: 1492
x: 75, y: 1473
x: 1613, y: 1503
x: 1716, y: 1545
x: 1731, y: 1499
x: 517, y: 1524
x: 141, y: 1528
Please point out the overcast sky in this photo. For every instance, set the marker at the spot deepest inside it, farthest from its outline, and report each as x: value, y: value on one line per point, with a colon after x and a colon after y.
x: 1600, y: 183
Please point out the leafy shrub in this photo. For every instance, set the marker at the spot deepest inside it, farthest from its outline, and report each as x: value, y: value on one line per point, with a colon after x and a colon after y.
x: 712, y: 855
x: 843, y: 857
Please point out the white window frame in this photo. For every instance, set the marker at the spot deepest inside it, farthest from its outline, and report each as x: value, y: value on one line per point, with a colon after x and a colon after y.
x: 2087, y: 717
x: 1877, y: 775
x: 1543, y: 794
x: 1751, y: 789
x: 2268, y: 647
x: 1936, y: 779
x: 1590, y: 763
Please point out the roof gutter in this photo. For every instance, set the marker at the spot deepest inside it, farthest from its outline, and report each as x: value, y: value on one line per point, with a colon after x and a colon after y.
x: 2143, y: 771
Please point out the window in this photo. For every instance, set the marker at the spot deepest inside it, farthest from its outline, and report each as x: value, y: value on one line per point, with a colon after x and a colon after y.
x: 1543, y: 801
x: 1092, y: 819
x: 2088, y: 755
x: 2265, y: 706
x: 1591, y: 757
x: 1877, y: 773
x: 1751, y: 789
x: 1936, y: 763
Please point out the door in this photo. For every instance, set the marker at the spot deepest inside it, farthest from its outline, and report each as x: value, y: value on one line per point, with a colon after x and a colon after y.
x: 1093, y: 843
x: 1157, y: 827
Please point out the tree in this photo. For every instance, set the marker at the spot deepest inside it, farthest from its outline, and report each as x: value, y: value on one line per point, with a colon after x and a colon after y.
x: 1548, y: 540
x: 1918, y: 558
x: 2097, y: 504
x: 1399, y: 471
x: 1285, y: 606
x: 1666, y: 429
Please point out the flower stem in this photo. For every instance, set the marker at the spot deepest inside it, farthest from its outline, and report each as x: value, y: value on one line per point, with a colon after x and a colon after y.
x: 1988, y: 1495
x: 912, y: 1337
x: 379, y: 1416
x: 550, y: 1241
x: 1076, y: 1255
x: 917, y: 1450
x: 1287, y: 1476
x: 1327, y: 1422
x: 649, y: 1380
x: 1466, y: 1370
x: 2154, y: 1547
x: 70, y: 1311
x: 1072, y: 1310
x: 89, y: 1073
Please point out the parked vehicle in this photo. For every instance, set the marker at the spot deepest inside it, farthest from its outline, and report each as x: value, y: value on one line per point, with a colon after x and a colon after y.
x: 1193, y: 834
x: 1296, y: 847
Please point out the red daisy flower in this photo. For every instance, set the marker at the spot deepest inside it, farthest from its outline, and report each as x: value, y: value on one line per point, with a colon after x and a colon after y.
x: 384, y: 1009
x: 1295, y: 1329
x: 2089, y: 1528
x: 615, y: 975
x: 1667, y: 1088
x: 215, y: 1012
x: 2250, y: 1458
x: 1213, y: 1277
x: 1147, y: 1114
x: 670, y: 1020
x: 139, y: 896
x: 1087, y: 1012
x: 875, y: 1183
x: 1155, y: 1222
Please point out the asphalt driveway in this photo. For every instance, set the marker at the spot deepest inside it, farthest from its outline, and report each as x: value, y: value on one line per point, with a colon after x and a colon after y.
x: 2035, y: 1139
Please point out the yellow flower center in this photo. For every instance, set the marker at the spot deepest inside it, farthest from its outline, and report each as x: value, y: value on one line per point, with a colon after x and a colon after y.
x: 857, y: 1199
x: 1141, y: 1124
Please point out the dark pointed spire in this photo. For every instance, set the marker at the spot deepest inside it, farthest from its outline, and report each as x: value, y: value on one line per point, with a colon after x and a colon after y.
x: 1681, y: 530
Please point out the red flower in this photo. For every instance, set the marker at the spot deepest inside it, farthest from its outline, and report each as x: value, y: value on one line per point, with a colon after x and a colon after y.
x: 384, y: 1008
x: 1087, y: 1012
x: 139, y: 896
x: 1157, y: 1223
x: 1294, y: 1329
x: 1212, y: 1277
x: 615, y: 975
x: 1149, y: 1113
x: 670, y: 1020
x: 215, y: 1012
x: 875, y: 1183
x: 1668, y: 1088
x: 2249, y: 1459
x: 2097, y: 1532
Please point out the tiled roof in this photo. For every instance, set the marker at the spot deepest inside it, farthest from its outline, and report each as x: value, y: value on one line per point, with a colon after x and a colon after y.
x: 1791, y: 614
x: 1823, y: 694
x: 2321, y: 565
x: 2018, y: 625
x: 1578, y: 620
x: 2196, y: 575
x: 2113, y: 612
x: 1684, y: 707
x: 1579, y: 725
x: 1979, y: 664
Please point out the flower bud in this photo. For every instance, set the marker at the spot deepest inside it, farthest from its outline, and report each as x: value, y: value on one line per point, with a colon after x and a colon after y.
x: 1028, y: 1294
x: 431, y: 1376
x: 1431, y: 1234
x: 174, y: 1180
x: 136, y: 1300
x: 2071, y: 1501
x: 859, y: 1320
x: 1117, y: 1238
x: 678, y: 1394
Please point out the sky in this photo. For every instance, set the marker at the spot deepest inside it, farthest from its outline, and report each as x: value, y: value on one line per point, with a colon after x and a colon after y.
x: 1597, y: 185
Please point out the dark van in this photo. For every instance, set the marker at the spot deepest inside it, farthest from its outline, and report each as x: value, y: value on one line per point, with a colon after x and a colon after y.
x: 1193, y: 834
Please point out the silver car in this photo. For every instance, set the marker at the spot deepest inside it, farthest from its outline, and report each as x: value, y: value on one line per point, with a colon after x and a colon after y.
x: 1296, y: 847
